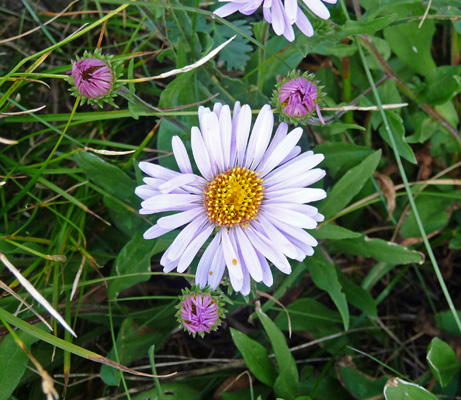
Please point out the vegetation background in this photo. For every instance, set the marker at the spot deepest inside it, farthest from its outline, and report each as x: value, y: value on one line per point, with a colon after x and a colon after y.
x: 373, y: 314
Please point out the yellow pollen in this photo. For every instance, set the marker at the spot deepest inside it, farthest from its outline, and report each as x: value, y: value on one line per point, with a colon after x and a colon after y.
x: 234, y: 261
x: 233, y: 197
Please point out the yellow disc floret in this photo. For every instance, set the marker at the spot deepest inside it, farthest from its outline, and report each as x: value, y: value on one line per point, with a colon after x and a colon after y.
x: 233, y: 197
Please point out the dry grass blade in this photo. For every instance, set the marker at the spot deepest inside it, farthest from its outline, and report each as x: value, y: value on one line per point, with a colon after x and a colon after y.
x: 6, y: 288
x: 109, y: 152
x: 368, y: 108
x: 9, y: 114
x: 8, y: 141
x: 35, y: 293
x: 268, y: 296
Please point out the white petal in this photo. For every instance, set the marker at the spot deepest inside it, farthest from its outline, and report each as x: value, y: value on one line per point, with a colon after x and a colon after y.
x: 318, y: 8
x: 176, y: 220
x: 200, y: 151
x: 217, y: 107
x: 298, y: 165
x: 185, y: 237
x: 260, y: 136
x: 155, y: 231
x: 167, y: 264
x: 281, y: 151
x: 295, y: 195
x: 227, y: 9
x: 212, y: 136
x: 304, y: 24
x: 289, y: 216
x: 165, y: 202
x: 268, y: 250
x: 268, y: 280
x: 217, y: 269
x: 232, y: 261
x: 291, y: 8
x: 157, y: 171
x: 278, y: 22
x: 181, y: 156
x: 267, y: 13
x: 242, y: 132
x: 249, y: 255
x: 301, y: 180
x: 193, y: 248
x: 246, y: 285
x: 293, y: 231
x: 145, y: 191
x: 205, y: 264
x: 225, y: 126
x: 177, y: 182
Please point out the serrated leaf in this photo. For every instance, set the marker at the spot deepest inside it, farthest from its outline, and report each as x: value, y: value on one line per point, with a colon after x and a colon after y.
x: 324, y: 276
x: 108, y: 176
x: 442, y: 361
x: 398, y: 389
x: 134, y: 258
x: 349, y: 185
x: 287, y: 382
x: 236, y: 54
x: 398, y: 131
x: 389, y: 252
x: 256, y: 357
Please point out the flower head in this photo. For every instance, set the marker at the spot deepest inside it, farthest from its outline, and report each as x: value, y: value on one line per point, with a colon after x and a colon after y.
x: 252, y: 192
x: 200, y: 311
x: 94, y: 78
x: 281, y: 16
x: 297, y: 97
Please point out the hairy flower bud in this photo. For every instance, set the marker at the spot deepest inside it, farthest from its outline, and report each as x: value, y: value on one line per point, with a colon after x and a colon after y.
x: 296, y: 98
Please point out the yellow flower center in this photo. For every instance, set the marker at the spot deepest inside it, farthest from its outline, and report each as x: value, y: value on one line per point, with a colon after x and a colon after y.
x: 233, y: 197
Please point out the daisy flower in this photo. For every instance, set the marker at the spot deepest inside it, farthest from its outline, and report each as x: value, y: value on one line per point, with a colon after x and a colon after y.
x: 250, y: 198
x: 281, y: 16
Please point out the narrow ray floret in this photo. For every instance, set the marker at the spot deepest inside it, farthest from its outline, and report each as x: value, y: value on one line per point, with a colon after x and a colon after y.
x: 282, y: 17
x: 250, y: 200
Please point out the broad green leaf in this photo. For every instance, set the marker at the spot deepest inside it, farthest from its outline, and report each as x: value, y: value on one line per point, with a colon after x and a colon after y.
x: 336, y: 232
x: 367, y: 27
x: 342, y: 50
x: 398, y: 132
x: 442, y: 361
x: 389, y: 252
x: 413, y: 44
x: 434, y: 214
x: 324, y: 276
x: 287, y: 382
x: 446, y: 322
x: 349, y: 185
x: 255, y: 356
x: 109, y: 177
x: 455, y: 242
x: 179, y: 91
x: 359, y: 384
x: 132, y: 259
x: 441, y: 85
x: 398, y: 389
x: 358, y: 296
x: 340, y: 157
x: 13, y: 362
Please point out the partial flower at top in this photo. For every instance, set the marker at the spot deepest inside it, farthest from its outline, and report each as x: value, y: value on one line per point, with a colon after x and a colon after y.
x: 282, y: 17
x: 94, y: 78
x: 252, y: 194
x: 297, y: 97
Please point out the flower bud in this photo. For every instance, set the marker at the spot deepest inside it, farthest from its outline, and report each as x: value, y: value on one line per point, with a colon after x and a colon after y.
x: 297, y: 98
x: 200, y: 311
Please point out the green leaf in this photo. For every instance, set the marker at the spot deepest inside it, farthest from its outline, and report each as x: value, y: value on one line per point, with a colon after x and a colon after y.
x: 336, y: 232
x: 324, y: 276
x: 349, y: 185
x: 287, y: 383
x: 172, y: 391
x: 442, y: 361
x: 342, y: 50
x: 398, y: 389
x: 359, y: 384
x: 236, y: 54
x: 398, y: 131
x: 107, y: 176
x: 132, y: 259
x: 441, y: 85
x: 179, y: 91
x: 433, y: 212
x: 413, y: 44
x: 367, y: 27
x: 256, y: 357
x: 14, y: 362
x: 389, y: 252
x: 357, y: 296
x: 446, y: 322
x: 340, y: 157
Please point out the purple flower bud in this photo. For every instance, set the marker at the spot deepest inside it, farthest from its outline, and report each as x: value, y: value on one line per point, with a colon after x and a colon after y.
x: 200, y: 311
x: 93, y: 78
x: 297, y: 98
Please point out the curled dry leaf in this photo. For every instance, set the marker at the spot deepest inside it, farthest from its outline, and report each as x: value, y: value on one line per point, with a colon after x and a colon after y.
x: 388, y: 188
